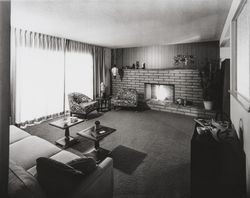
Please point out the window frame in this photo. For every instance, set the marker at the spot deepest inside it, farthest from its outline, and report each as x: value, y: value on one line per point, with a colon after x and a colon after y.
x: 244, y: 102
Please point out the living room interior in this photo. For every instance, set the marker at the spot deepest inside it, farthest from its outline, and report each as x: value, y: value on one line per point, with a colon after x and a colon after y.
x: 125, y: 98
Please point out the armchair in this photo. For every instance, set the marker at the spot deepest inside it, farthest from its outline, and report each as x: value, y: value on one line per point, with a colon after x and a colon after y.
x: 125, y: 97
x: 81, y: 104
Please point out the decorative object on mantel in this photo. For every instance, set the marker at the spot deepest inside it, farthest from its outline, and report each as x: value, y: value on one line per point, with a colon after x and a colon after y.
x: 210, y: 83
x: 133, y: 66
x: 184, y: 60
x: 137, y: 64
x: 121, y: 72
x: 144, y: 66
x: 114, y: 71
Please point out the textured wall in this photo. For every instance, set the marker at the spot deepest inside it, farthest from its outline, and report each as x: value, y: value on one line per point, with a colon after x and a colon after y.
x: 186, y: 81
x: 162, y: 56
x: 4, y: 94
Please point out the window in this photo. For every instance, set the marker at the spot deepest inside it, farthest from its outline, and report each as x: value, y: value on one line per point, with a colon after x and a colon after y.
x: 39, y: 83
x: 241, y: 57
x: 44, y: 71
x: 78, y: 74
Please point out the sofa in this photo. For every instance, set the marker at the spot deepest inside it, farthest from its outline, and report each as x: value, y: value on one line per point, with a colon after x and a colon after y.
x: 26, y: 148
x: 125, y: 97
x: 81, y: 104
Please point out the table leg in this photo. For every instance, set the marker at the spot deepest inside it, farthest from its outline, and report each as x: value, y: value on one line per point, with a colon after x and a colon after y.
x: 109, y: 104
x: 97, y: 145
x: 67, y: 140
x: 67, y: 133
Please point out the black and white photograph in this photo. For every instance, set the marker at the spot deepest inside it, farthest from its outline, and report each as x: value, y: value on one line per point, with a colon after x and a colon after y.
x: 125, y: 98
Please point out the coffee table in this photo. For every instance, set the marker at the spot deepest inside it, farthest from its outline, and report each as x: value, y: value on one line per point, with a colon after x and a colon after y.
x: 99, y: 154
x: 65, y: 124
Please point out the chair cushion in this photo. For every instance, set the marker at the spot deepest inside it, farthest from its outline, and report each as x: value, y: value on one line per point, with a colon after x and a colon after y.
x: 22, y: 184
x: 26, y: 151
x: 77, y: 99
x: 63, y: 156
x: 86, y: 165
x: 56, y: 178
x: 80, y: 98
x: 17, y: 134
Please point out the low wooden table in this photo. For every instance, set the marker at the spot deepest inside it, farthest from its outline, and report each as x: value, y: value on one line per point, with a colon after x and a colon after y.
x: 99, y: 154
x: 65, y: 124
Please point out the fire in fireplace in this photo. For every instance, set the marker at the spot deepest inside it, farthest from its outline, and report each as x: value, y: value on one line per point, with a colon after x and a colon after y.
x: 159, y: 93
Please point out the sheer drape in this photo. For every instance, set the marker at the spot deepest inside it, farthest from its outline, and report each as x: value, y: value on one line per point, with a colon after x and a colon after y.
x: 38, y: 77
x: 78, y: 69
x: 99, y: 69
x: 44, y: 69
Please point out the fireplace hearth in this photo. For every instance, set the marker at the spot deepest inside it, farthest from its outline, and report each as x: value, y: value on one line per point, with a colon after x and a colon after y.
x: 159, y: 93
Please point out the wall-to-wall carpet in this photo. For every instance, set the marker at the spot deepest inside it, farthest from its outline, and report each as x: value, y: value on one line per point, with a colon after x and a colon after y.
x: 159, y: 146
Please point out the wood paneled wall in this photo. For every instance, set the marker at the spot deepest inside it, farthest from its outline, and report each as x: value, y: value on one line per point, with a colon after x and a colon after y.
x: 162, y: 56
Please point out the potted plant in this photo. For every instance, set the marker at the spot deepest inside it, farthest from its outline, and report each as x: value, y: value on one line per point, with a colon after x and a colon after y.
x: 210, y: 84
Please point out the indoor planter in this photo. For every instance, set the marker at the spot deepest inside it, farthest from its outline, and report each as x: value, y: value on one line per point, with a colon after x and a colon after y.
x: 210, y: 84
x: 208, y: 104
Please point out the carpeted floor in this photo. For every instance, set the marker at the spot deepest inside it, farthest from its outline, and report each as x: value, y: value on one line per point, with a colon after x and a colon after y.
x: 159, y: 146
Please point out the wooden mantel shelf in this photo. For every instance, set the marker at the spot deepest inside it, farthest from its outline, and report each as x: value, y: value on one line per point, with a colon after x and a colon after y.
x: 163, y: 69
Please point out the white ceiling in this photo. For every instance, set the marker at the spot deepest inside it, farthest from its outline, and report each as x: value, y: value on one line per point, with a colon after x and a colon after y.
x: 124, y: 23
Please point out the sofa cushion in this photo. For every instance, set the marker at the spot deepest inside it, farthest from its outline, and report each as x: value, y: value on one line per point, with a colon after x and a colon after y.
x: 17, y: 134
x: 62, y: 156
x: 22, y: 184
x: 86, y: 165
x: 26, y: 151
x: 56, y: 178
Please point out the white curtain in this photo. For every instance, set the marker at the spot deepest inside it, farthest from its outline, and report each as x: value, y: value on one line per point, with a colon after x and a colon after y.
x: 39, y: 75
x: 78, y: 69
x: 45, y: 69
x: 39, y: 83
x: 79, y: 73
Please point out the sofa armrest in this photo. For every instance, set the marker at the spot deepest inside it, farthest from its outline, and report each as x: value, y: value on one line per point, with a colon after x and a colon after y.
x: 97, y: 184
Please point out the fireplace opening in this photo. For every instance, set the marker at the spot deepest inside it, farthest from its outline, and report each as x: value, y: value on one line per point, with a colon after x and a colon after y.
x: 159, y: 93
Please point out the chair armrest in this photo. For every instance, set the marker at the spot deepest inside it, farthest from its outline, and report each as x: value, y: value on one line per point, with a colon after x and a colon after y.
x: 97, y: 184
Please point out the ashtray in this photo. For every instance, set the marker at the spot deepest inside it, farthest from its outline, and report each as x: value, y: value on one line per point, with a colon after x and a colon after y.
x: 73, y: 119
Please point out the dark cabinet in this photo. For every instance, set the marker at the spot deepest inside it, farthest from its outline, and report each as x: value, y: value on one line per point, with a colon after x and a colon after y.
x: 217, y: 167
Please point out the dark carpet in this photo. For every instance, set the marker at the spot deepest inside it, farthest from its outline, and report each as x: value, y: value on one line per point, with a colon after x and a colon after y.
x: 159, y: 146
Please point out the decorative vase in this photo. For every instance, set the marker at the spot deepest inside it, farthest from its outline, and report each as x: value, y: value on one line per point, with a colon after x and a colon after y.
x: 208, y: 105
x: 137, y: 64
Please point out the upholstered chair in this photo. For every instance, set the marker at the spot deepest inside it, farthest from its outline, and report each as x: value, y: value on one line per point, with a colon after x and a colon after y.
x: 125, y: 97
x: 81, y: 104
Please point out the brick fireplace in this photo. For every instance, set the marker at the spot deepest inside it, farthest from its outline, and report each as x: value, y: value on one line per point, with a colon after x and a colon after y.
x: 150, y: 84
x: 159, y: 93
